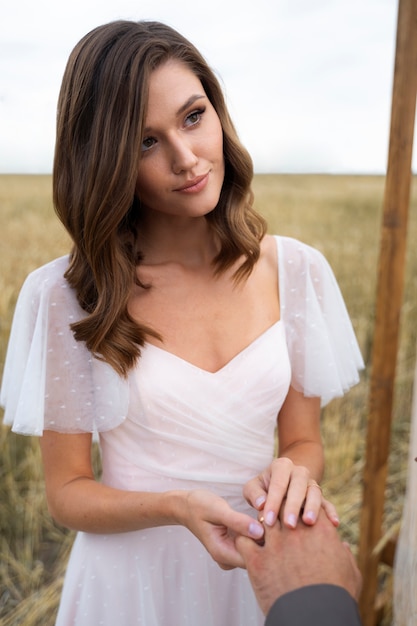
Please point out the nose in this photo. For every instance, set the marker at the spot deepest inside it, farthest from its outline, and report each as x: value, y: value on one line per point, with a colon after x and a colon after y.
x: 183, y: 154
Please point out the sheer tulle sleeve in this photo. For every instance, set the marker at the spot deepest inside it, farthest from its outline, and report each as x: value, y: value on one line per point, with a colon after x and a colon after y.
x: 324, y: 354
x: 51, y: 381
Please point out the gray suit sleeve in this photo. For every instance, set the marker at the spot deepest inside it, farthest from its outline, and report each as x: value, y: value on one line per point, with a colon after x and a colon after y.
x: 321, y: 605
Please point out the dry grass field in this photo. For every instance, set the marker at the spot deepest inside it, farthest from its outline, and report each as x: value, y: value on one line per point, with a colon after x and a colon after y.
x: 340, y: 215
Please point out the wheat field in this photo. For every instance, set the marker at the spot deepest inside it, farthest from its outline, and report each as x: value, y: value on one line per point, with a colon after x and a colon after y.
x: 341, y: 216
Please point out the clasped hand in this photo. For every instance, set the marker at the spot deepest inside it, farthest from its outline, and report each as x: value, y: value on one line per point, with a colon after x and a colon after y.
x: 213, y: 521
x: 281, y: 489
x: 287, y: 490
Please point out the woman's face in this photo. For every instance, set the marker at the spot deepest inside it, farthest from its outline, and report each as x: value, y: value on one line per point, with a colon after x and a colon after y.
x: 181, y: 170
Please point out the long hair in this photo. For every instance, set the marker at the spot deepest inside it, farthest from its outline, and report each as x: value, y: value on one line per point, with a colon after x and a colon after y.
x: 101, y: 112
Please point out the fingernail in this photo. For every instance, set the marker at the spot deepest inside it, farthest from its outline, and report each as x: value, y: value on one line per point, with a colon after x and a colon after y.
x: 260, y: 501
x: 292, y: 520
x: 256, y: 530
x: 270, y: 518
x: 309, y: 516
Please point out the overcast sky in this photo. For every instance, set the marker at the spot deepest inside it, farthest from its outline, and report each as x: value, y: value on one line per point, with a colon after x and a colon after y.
x: 308, y: 82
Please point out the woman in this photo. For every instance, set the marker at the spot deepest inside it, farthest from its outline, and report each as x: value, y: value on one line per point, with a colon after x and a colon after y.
x: 179, y: 331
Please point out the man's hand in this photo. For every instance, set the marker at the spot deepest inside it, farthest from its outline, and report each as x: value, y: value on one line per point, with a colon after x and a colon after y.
x: 293, y: 558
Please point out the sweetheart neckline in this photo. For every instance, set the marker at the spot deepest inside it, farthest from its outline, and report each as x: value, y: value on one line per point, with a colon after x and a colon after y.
x: 226, y: 365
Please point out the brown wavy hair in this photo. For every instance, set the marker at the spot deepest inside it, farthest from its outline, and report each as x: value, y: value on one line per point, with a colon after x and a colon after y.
x: 101, y: 112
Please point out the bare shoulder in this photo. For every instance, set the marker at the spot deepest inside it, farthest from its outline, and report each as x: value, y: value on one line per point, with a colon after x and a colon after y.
x: 265, y: 274
x: 269, y: 254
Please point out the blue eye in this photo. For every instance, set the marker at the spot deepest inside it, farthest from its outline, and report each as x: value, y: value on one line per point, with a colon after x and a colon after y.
x: 194, y: 118
x: 147, y: 143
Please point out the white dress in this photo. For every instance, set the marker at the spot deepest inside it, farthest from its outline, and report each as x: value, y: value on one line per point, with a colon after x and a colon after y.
x: 172, y: 425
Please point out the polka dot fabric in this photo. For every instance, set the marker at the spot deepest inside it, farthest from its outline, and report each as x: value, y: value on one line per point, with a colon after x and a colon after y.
x: 172, y: 425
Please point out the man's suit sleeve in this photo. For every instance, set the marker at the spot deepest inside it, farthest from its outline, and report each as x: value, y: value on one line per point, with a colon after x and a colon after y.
x: 321, y: 605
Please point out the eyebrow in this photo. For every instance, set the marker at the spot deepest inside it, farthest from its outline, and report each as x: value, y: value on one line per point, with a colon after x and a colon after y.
x: 188, y: 103
x: 182, y: 108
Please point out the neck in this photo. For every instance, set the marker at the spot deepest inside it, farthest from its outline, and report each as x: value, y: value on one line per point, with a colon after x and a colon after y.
x: 170, y: 239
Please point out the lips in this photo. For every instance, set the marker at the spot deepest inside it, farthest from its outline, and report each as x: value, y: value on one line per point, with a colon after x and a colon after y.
x: 195, y: 185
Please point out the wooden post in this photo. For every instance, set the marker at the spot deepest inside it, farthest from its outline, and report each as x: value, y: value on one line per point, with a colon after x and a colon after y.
x: 388, y: 301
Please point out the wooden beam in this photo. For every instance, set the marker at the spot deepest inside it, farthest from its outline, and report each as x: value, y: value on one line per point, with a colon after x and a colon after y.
x: 388, y: 553
x: 390, y: 281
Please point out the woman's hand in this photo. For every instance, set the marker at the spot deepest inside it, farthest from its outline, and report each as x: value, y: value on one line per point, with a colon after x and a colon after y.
x: 216, y: 525
x: 287, y: 490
